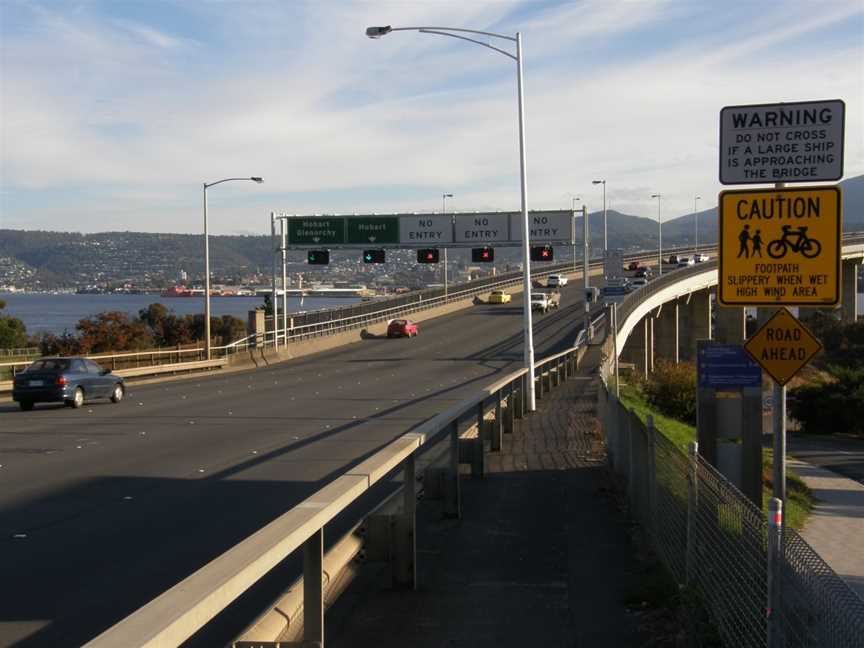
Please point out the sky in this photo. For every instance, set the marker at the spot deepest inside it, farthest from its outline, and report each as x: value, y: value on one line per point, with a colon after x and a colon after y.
x: 114, y: 113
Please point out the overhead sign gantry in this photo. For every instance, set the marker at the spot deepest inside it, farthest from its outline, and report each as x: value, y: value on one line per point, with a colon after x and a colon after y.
x: 459, y: 229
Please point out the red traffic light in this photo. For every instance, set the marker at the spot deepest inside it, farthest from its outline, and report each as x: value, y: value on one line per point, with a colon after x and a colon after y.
x: 427, y: 255
x: 542, y: 253
x: 483, y: 255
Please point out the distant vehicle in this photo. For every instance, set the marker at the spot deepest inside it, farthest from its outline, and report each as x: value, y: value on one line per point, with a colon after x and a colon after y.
x: 701, y: 258
x: 556, y: 281
x: 643, y: 273
x: 65, y: 380
x: 639, y: 282
x: 683, y: 262
x: 634, y: 265
x: 545, y: 301
x: 401, y: 328
x: 499, y: 297
x: 673, y: 258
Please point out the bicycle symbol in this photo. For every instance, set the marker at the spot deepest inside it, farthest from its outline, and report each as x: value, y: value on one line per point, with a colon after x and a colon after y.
x: 794, y: 241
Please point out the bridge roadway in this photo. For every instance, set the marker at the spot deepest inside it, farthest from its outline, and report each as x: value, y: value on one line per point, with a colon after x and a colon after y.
x: 103, y: 508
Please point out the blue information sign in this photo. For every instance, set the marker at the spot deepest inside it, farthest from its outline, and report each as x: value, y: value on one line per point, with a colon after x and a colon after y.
x: 726, y: 365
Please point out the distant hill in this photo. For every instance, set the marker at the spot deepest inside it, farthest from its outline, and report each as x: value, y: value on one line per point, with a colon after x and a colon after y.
x: 62, y: 259
x: 681, y: 230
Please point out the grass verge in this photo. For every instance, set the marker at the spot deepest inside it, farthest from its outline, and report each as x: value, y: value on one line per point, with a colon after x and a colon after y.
x: 799, y: 499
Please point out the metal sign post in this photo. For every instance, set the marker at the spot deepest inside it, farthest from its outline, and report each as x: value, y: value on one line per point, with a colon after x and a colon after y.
x: 783, y: 346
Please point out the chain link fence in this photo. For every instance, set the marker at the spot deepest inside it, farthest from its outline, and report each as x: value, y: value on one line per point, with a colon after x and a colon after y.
x: 714, y: 542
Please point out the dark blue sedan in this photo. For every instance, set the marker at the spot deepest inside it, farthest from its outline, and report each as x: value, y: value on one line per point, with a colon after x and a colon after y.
x: 65, y: 380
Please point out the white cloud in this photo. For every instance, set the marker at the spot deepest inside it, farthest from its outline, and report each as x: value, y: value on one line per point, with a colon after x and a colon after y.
x: 335, y: 122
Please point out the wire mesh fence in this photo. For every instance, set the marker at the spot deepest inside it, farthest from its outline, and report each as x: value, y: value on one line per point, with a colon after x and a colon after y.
x: 714, y: 542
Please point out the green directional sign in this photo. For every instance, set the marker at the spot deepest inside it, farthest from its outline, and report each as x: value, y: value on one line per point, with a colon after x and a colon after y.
x: 373, y: 229
x: 316, y: 230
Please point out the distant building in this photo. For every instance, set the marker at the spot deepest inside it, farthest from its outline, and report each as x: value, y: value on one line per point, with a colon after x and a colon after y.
x: 184, y: 276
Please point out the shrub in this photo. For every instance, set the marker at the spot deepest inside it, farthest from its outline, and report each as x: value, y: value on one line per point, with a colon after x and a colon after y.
x: 13, y: 335
x: 672, y: 390
x: 828, y: 407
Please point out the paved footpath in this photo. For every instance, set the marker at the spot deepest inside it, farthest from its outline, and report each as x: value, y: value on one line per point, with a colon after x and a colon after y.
x: 835, y: 528
x: 540, y: 557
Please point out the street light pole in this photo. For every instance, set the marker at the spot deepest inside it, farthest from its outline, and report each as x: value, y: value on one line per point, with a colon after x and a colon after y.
x: 605, y: 229
x: 659, y: 237
x: 207, y: 261
x: 585, y: 279
x: 696, y: 223
x: 444, y: 197
x: 378, y: 32
x: 573, y: 200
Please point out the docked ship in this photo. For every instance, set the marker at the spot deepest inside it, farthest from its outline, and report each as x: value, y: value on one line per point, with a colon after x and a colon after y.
x: 176, y: 291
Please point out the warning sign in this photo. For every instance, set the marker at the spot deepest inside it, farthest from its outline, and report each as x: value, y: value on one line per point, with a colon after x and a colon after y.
x: 780, y: 246
x: 783, y: 346
x: 786, y: 142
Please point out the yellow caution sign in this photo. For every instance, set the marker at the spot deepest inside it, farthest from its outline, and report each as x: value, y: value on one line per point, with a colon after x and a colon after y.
x: 783, y: 346
x: 780, y: 246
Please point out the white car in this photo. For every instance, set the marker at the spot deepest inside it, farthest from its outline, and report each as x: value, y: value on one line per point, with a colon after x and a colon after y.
x: 556, y: 281
x: 701, y: 258
x: 639, y: 282
x: 683, y: 262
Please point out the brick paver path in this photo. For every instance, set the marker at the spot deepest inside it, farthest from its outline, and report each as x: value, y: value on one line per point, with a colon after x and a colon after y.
x: 540, y: 558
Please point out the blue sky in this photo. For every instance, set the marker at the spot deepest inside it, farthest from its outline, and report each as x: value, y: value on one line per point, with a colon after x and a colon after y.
x: 112, y: 114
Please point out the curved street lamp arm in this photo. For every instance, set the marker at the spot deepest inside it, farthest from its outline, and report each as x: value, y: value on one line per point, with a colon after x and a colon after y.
x: 470, y: 40
x: 210, y: 184
x: 454, y: 29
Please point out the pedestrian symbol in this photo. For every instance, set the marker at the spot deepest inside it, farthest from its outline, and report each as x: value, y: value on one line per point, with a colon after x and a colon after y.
x: 744, y: 239
x: 780, y: 246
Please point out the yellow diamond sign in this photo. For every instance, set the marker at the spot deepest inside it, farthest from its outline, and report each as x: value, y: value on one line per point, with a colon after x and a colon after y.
x: 783, y: 346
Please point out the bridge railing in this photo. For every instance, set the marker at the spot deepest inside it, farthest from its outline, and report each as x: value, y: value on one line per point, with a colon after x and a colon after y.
x: 178, y: 613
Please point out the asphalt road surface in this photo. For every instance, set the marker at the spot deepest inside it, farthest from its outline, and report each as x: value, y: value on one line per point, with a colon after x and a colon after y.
x: 842, y: 454
x: 105, y: 507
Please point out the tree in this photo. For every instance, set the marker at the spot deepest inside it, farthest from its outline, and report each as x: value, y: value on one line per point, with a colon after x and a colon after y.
x: 828, y: 407
x: 112, y: 331
x: 13, y: 334
x: 166, y: 328
x: 58, y: 345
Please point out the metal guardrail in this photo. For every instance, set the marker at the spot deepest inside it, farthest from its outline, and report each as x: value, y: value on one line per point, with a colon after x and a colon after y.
x: 179, y: 612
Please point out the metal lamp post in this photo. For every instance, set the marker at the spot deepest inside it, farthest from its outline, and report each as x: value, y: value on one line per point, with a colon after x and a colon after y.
x: 207, y: 261
x: 659, y: 237
x: 378, y: 32
x: 605, y: 229
x: 444, y: 197
x: 573, y: 200
x: 696, y: 225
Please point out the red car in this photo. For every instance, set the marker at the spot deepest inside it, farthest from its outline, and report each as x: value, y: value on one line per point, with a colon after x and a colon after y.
x: 634, y: 265
x: 401, y: 328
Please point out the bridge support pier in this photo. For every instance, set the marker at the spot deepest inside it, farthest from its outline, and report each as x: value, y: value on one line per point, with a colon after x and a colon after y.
x: 696, y: 322
x: 666, y: 330
x: 850, y: 290
x: 731, y: 325
x: 636, y: 350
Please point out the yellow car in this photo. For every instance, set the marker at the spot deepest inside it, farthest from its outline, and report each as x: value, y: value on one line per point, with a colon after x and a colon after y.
x: 499, y: 297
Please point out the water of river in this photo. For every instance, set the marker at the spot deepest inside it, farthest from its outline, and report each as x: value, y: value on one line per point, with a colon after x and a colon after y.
x: 56, y: 313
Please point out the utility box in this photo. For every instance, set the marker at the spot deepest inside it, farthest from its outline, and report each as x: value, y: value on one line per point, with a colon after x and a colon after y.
x: 255, y: 326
